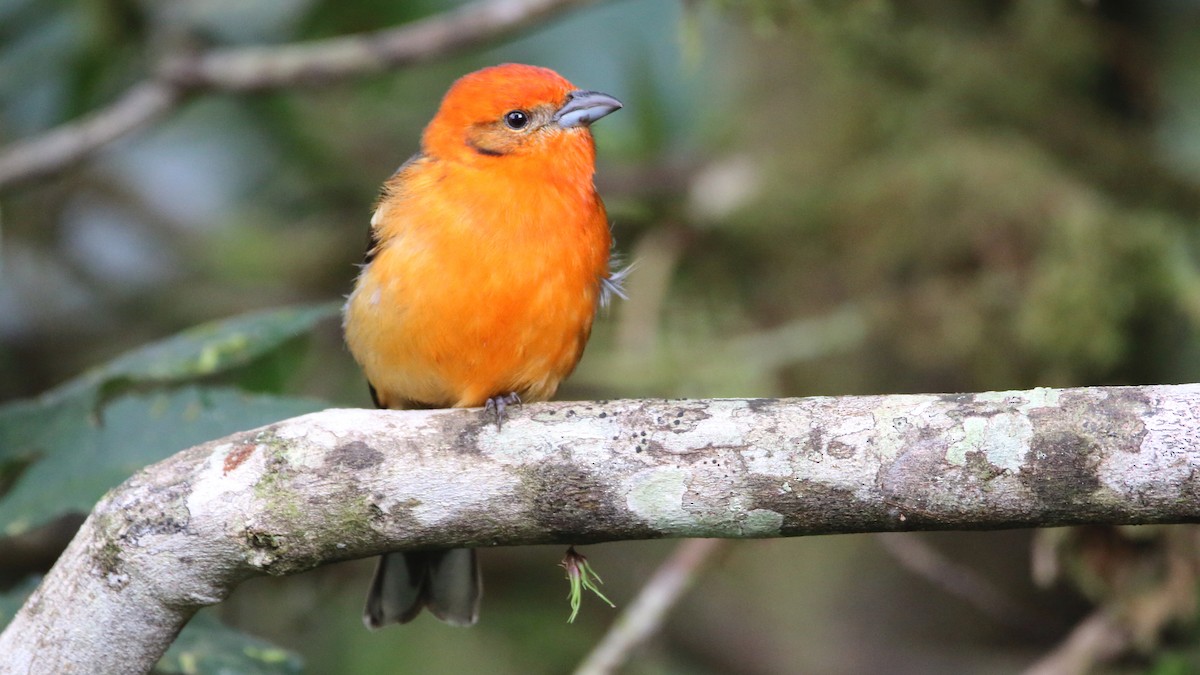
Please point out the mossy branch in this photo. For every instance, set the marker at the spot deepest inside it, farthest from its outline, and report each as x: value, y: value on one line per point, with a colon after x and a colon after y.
x: 343, y: 484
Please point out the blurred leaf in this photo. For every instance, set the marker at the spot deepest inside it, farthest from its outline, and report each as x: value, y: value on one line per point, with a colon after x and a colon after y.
x: 72, y: 444
x: 202, y: 351
x: 62, y: 451
x: 1174, y: 662
x: 271, y: 373
x: 208, y: 646
x: 72, y: 457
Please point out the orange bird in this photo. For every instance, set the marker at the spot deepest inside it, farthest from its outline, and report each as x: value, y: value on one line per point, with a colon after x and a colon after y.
x: 489, y: 254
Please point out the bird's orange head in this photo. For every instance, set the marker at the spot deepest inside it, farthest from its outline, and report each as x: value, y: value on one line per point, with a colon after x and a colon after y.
x: 518, y: 115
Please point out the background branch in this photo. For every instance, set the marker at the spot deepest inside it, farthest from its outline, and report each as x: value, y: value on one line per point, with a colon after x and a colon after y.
x: 960, y: 581
x: 69, y: 143
x: 1097, y: 639
x: 344, y: 484
x: 240, y: 69
x: 645, y: 614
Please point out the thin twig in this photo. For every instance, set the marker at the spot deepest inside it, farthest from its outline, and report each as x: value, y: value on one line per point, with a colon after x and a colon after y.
x: 1097, y: 639
x: 71, y: 142
x: 321, y: 61
x: 1134, y: 619
x: 918, y: 557
x: 644, y: 616
x: 241, y: 69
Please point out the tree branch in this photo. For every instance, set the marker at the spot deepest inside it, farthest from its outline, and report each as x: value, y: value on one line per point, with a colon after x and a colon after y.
x: 343, y: 484
x: 319, y: 61
x: 69, y: 143
x: 241, y: 69
x: 1097, y: 639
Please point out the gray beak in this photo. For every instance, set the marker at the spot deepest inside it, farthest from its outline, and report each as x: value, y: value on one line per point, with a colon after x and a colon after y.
x: 584, y: 107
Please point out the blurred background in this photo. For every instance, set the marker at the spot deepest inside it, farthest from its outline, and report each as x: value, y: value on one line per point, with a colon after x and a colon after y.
x: 823, y: 198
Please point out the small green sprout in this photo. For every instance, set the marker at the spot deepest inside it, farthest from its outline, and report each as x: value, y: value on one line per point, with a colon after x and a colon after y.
x: 581, y: 576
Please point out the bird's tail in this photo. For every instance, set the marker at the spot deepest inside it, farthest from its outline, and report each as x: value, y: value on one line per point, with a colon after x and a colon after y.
x: 447, y: 582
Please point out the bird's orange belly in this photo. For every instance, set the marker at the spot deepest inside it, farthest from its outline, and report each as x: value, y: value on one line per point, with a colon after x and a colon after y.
x: 457, y: 340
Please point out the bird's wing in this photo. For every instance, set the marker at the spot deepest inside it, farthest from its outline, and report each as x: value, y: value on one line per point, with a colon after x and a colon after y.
x: 388, y: 185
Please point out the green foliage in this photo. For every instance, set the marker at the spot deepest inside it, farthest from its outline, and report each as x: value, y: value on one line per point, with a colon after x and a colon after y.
x: 205, y: 350
x: 62, y: 451
x: 208, y: 647
x: 1176, y: 662
x: 977, y: 179
x: 68, y: 456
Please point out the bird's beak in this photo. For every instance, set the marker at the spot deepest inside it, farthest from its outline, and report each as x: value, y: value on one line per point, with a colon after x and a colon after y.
x: 584, y: 107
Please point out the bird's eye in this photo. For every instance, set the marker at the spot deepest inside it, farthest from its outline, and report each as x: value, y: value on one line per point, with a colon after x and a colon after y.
x: 516, y: 119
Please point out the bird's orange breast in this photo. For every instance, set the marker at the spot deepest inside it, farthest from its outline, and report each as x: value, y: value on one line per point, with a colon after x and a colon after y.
x: 480, y: 286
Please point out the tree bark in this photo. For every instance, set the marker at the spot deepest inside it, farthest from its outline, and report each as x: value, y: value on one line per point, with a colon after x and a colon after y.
x: 343, y: 484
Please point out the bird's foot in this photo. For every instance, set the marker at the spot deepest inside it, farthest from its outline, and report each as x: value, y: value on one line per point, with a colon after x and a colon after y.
x: 497, y: 404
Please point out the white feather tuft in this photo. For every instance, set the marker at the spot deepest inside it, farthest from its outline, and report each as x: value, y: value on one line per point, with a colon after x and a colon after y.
x: 614, y: 283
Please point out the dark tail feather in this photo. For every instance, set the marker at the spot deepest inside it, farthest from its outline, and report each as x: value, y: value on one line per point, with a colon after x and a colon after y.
x: 447, y: 582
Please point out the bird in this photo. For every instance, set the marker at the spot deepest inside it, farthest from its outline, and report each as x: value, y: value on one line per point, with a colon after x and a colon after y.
x: 490, y: 252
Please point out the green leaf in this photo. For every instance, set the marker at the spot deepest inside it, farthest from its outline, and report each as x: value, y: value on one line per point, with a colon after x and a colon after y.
x: 202, y: 351
x: 61, y: 451
x: 207, y: 646
x: 72, y: 457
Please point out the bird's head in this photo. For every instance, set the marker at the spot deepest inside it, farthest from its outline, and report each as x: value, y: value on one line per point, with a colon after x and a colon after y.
x: 517, y: 115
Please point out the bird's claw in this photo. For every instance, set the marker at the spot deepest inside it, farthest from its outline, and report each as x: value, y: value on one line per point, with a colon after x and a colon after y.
x: 497, y: 404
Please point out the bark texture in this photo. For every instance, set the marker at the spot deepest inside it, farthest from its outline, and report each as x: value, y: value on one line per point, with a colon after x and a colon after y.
x: 345, y: 484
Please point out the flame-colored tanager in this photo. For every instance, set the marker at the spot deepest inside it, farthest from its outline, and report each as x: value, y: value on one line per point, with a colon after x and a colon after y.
x: 489, y: 254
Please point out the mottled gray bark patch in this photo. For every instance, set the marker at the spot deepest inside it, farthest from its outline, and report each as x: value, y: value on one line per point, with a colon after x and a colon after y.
x: 482, y: 527
x: 375, y: 515
x: 1189, y: 492
x: 811, y: 507
x: 1112, y: 421
x: 840, y: 450
x: 641, y: 443
x: 978, y: 467
x: 965, y: 402
x: 466, y: 440
x: 565, y: 499
x: 1071, y: 440
x: 399, y: 518
x: 762, y: 405
x: 686, y: 416
x: 164, y: 512
x: 263, y: 540
x: 912, y: 474
x: 1060, y: 468
x: 355, y: 455
x: 814, y: 444
x: 1122, y: 412
x: 108, y: 555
